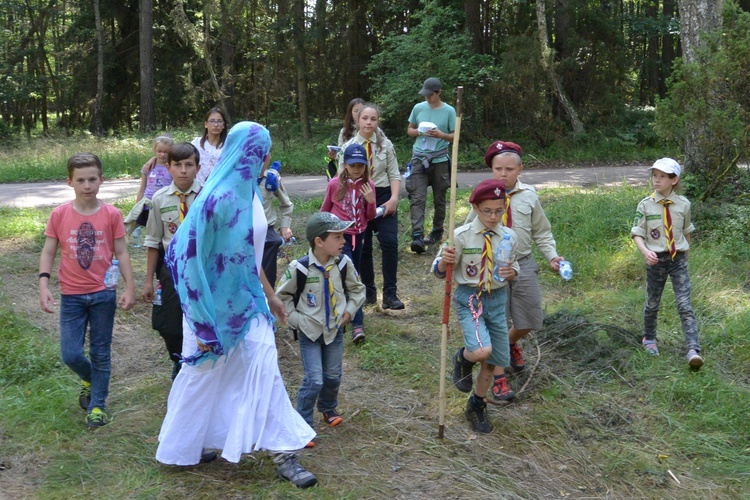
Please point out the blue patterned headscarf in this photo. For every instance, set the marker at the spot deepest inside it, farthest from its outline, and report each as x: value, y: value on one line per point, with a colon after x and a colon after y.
x: 212, y: 257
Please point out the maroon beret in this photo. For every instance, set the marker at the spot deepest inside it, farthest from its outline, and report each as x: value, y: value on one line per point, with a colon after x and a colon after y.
x: 490, y: 189
x: 498, y: 147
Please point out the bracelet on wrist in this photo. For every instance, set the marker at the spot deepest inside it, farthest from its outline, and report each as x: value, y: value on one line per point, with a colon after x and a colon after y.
x: 44, y: 275
x: 437, y: 271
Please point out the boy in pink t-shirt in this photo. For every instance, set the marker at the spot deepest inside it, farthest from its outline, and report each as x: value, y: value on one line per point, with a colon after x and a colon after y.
x: 88, y: 232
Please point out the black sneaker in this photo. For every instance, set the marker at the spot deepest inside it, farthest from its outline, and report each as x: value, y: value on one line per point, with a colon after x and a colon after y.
x: 391, y: 301
x: 97, y: 418
x: 433, y: 237
x: 417, y: 244
x: 84, y: 397
x: 293, y: 472
x: 462, y: 372
x: 477, y: 417
x: 372, y: 296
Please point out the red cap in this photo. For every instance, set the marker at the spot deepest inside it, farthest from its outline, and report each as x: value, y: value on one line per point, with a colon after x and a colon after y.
x: 490, y: 189
x: 498, y: 147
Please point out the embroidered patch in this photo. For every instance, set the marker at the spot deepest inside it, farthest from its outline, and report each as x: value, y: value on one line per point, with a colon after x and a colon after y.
x: 654, y: 217
x: 313, y: 279
x: 638, y: 215
x: 471, y: 270
x: 655, y: 234
x: 472, y: 251
x: 288, y: 274
x: 311, y: 301
x: 171, y: 208
x: 172, y: 227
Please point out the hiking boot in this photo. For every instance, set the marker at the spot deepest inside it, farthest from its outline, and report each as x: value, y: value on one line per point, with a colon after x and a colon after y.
x: 97, y: 418
x: 500, y: 393
x: 84, y: 397
x: 434, y: 237
x: 417, y: 244
x: 694, y: 359
x: 650, y: 346
x: 293, y: 472
x: 358, y: 334
x: 332, y: 418
x: 371, y: 296
x: 391, y: 301
x: 462, y: 372
x: 477, y: 417
x: 516, y: 358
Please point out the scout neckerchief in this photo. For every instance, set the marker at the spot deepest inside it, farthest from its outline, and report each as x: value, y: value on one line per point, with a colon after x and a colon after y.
x: 329, y: 292
x: 368, y: 148
x: 668, y: 226
x: 183, y: 202
x: 507, y: 219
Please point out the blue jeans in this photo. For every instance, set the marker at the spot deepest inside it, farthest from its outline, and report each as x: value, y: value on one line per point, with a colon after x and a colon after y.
x: 322, y: 364
x: 353, y: 249
x: 97, y: 312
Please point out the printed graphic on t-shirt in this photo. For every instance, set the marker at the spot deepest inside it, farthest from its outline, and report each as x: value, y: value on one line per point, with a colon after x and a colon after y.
x: 84, y: 244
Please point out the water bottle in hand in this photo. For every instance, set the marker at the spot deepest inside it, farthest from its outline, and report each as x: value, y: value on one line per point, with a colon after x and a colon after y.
x: 380, y: 211
x: 112, y: 276
x: 502, y: 257
x: 157, y: 297
x: 136, y: 237
x: 566, y: 270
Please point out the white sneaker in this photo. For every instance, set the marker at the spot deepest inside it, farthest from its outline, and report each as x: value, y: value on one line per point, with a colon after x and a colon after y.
x: 694, y: 359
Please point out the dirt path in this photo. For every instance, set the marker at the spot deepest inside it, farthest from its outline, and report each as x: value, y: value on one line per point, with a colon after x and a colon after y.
x: 36, y: 194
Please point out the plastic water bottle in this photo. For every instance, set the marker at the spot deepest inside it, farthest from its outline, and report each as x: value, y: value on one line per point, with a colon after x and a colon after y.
x: 502, y: 257
x: 136, y: 237
x: 157, y: 297
x: 290, y: 242
x: 566, y: 270
x: 380, y: 211
x: 112, y: 276
x: 408, y: 171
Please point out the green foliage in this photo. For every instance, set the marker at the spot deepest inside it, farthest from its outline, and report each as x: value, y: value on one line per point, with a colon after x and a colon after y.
x: 28, y: 353
x: 708, y: 105
x: 434, y: 47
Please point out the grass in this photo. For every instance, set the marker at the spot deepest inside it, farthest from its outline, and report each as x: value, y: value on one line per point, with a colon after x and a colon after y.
x: 599, y: 417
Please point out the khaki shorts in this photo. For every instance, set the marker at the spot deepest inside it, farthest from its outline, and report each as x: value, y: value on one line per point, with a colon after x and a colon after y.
x: 524, y: 307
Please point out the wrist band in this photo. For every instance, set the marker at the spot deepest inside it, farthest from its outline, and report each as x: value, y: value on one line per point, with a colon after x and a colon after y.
x: 44, y: 275
x: 437, y: 271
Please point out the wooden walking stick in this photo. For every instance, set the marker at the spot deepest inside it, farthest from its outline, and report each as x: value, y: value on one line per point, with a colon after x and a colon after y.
x: 449, y: 270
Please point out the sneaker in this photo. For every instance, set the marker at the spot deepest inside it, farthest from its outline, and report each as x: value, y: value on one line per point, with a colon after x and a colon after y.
x: 311, y: 444
x: 516, y: 358
x: 462, y: 372
x: 372, y: 296
x: 358, y: 334
x: 293, y: 472
x: 500, y: 392
x: 477, y: 417
x: 650, y: 346
x: 391, y: 301
x: 417, y: 244
x: 694, y: 359
x: 97, y: 418
x: 433, y: 237
x: 84, y: 397
x: 332, y: 418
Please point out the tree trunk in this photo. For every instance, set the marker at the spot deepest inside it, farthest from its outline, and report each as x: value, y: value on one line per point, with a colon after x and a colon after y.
x: 547, y: 64
x: 298, y: 32
x: 146, y: 52
x: 474, y: 24
x: 97, y: 118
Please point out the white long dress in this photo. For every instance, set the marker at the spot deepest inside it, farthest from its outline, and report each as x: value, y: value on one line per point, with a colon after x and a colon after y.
x: 237, y: 405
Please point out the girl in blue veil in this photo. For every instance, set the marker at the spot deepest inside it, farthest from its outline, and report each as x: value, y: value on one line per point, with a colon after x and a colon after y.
x: 229, y: 394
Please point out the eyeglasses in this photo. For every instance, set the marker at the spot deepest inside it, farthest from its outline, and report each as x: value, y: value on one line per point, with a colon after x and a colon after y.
x: 489, y: 213
x: 216, y: 122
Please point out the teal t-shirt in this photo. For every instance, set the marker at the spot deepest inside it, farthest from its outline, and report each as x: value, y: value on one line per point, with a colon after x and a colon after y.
x: 445, y: 119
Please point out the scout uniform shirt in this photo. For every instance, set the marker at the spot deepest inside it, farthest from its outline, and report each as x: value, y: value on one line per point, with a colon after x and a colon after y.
x: 164, y: 218
x: 309, y: 315
x: 649, y: 223
x: 528, y: 221
x: 469, y: 242
x: 286, y: 207
x: 384, y: 168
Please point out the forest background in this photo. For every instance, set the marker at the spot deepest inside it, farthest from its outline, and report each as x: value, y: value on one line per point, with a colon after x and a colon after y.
x: 623, y: 80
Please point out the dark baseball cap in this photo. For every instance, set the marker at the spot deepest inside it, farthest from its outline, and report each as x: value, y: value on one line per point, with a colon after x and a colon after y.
x: 355, y: 153
x: 430, y: 85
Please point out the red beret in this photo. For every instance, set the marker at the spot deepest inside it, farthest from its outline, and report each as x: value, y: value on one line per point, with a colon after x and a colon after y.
x: 489, y: 189
x: 498, y: 147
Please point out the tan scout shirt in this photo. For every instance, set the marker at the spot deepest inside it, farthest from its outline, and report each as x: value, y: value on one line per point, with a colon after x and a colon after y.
x: 384, y: 161
x: 649, y: 223
x: 164, y: 218
x: 469, y: 242
x: 530, y: 223
x: 286, y: 207
x: 309, y: 316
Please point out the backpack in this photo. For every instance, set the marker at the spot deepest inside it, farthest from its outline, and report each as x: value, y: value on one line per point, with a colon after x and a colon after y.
x: 303, y: 266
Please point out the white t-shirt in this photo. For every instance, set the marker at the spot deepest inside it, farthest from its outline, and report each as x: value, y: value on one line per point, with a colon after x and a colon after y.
x: 209, y: 157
